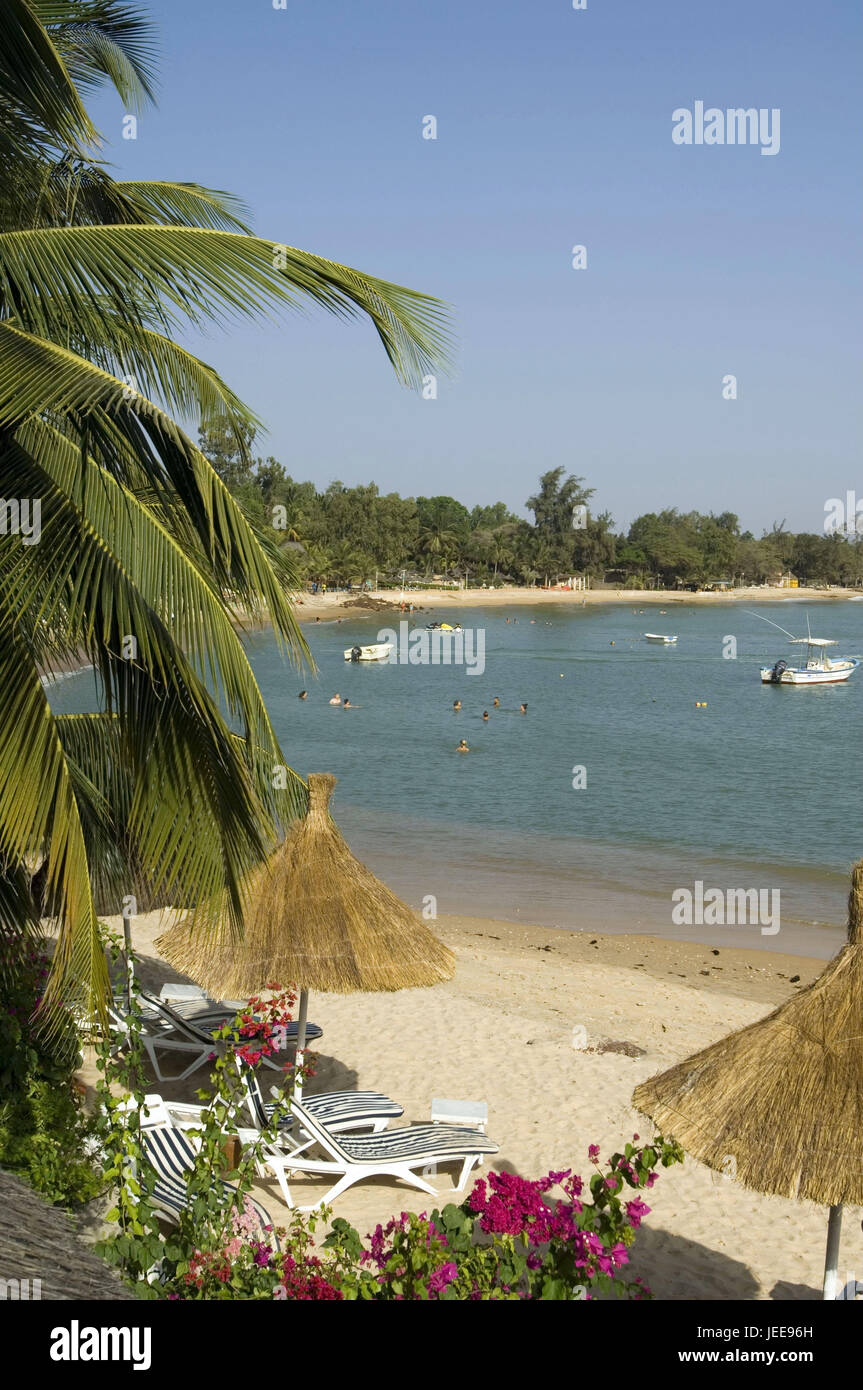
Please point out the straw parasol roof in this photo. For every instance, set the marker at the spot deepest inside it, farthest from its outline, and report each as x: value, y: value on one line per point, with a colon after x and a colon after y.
x: 316, y: 918
x: 782, y: 1098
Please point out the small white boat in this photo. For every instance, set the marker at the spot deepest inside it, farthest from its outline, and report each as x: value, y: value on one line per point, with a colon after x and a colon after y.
x: 819, y: 669
x: 377, y: 651
x: 658, y: 637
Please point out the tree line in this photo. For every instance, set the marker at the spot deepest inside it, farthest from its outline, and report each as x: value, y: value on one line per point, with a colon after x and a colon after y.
x: 351, y: 535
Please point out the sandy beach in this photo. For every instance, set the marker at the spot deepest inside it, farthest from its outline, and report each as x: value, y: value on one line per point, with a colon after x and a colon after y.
x: 554, y: 1029
x: 341, y: 604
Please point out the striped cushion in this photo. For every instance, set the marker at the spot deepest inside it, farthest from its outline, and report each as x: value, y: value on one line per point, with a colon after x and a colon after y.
x: 416, y: 1142
x: 172, y: 1156
x: 341, y: 1107
x: 331, y: 1107
x: 203, y: 1017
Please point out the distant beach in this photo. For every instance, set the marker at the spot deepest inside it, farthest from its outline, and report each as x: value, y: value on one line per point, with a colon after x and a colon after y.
x: 343, y: 603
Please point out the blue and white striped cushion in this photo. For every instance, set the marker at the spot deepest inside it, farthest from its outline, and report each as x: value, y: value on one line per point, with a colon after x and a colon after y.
x: 172, y: 1156
x: 416, y: 1142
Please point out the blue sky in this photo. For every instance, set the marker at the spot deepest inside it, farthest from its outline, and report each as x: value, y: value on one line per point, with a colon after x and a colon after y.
x: 554, y: 129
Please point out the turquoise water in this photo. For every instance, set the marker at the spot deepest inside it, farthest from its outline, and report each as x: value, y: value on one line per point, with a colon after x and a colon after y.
x: 759, y: 789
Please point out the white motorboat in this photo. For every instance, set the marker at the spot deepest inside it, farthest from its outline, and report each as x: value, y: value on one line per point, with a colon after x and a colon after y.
x: 658, y: 637
x: 376, y: 651
x: 819, y: 668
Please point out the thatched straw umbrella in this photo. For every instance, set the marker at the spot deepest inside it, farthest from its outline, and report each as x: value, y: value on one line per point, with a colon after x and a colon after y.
x: 782, y: 1100
x: 316, y: 918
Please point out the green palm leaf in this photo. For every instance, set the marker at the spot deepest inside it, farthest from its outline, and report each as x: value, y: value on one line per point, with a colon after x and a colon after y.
x: 183, y: 204
x: 99, y: 40
x: 44, y: 810
x: 37, y: 91
x: 207, y: 275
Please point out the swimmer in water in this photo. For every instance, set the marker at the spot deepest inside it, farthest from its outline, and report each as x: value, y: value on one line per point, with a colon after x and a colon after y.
x: 462, y: 748
x: 524, y: 708
x: 337, y: 699
x: 485, y: 715
x: 302, y: 695
x: 496, y: 702
x: 456, y: 704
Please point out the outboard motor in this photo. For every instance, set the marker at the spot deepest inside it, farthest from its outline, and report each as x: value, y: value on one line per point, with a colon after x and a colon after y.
x: 776, y: 673
x: 356, y: 653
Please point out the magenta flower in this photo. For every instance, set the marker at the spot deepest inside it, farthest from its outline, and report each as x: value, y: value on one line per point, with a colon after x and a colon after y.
x: 636, y: 1210
x: 439, y: 1278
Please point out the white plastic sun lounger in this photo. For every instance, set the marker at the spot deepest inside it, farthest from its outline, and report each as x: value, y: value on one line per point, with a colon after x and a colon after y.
x: 340, y: 1111
x: 189, y: 1115
x: 172, y: 1156
x: 395, y: 1153
x: 167, y: 1030
x: 200, y: 1011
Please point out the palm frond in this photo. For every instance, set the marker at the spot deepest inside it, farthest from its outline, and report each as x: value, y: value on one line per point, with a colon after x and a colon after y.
x: 38, y: 806
x: 210, y: 275
x: 103, y: 40
x: 36, y: 87
x: 184, y: 204
x: 38, y: 376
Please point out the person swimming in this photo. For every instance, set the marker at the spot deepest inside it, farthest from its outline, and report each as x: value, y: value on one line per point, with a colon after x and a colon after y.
x: 485, y: 715
x: 346, y: 704
x: 463, y: 748
x: 337, y: 699
x: 496, y: 702
x: 524, y: 708
x: 302, y: 695
x: 456, y: 704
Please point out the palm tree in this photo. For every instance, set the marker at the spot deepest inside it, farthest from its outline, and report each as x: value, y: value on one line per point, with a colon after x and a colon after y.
x: 347, y: 564
x: 143, y: 562
x: 315, y: 562
x: 437, y: 541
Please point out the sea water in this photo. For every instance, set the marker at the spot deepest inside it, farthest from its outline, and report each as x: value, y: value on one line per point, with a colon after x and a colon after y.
x: 637, y: 769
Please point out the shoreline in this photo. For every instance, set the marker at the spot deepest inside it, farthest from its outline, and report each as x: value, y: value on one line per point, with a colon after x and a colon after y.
x: 330, y: 606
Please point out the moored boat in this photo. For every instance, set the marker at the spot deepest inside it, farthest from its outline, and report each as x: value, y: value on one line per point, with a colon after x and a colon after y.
x: 375, y: 651
x: 659, y: 637
x: 818, y: 669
